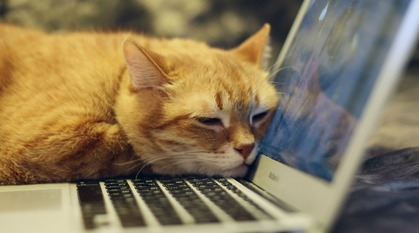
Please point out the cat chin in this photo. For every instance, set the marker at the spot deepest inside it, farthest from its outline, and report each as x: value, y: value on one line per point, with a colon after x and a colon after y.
x: 238, y: 171
x: 227, y: 164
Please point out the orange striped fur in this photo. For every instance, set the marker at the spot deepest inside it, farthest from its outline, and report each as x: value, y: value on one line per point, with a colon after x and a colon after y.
x: 95, y: 105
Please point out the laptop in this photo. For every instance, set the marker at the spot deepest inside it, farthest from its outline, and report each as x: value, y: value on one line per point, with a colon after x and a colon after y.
x: 339, y: 65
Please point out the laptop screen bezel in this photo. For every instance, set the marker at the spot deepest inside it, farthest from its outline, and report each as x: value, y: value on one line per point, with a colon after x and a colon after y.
x: 317, y: 197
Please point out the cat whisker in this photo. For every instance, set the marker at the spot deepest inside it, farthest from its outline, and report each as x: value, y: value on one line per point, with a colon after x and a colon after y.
x: 274, y: 65
x: 180, y: 153
x: 141, y: 169
x: 136, y: 165
x: 176, y: 163
x: 278, y: 83
x: 147, y: 163
x: 185, y: 156
x: 280, y: 93
x: 128, y: 162
x: 130, y: 165
x: 189, y: 159
x: 274, y: 73
x: 204, y: 168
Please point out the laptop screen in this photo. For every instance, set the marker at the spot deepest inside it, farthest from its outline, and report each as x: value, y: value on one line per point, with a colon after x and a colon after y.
x: 326, y: 77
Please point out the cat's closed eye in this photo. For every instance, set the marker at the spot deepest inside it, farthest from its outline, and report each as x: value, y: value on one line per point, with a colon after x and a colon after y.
x: 259, y: 116
x: 209, y: 121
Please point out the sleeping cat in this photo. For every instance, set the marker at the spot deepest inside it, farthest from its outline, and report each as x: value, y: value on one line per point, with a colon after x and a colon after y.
x: 96, y: 105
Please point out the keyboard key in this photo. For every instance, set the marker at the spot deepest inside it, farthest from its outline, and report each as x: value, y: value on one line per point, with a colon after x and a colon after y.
x: 156, y: 200
x: 268, y: 197
x: 124, y: 203
x: 91, y: 202
x: 189, y: 200
x: 244, y: 197
x: 221, y: 198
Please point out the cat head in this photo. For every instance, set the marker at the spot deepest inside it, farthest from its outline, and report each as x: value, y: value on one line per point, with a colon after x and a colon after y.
x: 192, y: 109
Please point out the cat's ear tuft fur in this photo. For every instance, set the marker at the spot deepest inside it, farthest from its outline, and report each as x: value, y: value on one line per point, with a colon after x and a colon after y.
x: 256, y: 49
x: 147, y: 69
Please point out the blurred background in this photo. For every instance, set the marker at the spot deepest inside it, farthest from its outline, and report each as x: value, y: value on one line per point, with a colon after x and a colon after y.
x: 220, y: 23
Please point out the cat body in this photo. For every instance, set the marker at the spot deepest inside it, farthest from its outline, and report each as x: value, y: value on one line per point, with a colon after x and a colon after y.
x: 93, y: 105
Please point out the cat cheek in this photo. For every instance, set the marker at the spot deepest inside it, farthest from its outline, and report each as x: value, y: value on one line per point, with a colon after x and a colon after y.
x: 259, y: 130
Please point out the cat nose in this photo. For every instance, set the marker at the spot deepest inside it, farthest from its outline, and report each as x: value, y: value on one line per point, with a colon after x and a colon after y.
x: 245, y: 149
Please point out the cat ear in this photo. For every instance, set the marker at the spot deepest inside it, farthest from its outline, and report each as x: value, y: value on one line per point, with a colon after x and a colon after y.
x: 147, y: 69
x: 256, y: 49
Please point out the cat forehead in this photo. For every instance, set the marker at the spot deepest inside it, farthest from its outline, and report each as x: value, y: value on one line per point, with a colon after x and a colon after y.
x: 218, y: 69
x: 211, y: 61
x: 217, y: 99
x: 218, y: 82
x: 222, y: 79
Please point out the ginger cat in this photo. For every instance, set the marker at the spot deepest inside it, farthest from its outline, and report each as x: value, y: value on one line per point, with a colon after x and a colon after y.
x: 95, y: 105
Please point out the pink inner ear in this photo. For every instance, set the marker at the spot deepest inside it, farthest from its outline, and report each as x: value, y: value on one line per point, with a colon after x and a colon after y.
x: 145, y: 73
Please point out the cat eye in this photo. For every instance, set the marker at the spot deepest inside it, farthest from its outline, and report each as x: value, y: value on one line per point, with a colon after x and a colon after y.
x: 260, y: 116
x: 209, y: 121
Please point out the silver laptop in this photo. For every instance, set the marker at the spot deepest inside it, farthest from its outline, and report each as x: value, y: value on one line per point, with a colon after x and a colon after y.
x: 338, y: 67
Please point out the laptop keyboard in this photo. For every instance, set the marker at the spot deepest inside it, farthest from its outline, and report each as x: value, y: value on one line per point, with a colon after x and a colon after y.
x: 157, y: 202
x: 182, y: 192
x: 215, y: 193
x: 171, y: 201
